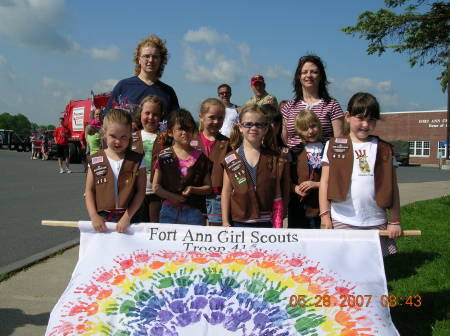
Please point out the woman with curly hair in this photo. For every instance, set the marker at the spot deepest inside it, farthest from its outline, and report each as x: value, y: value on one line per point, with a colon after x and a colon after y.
x: 150, y: 59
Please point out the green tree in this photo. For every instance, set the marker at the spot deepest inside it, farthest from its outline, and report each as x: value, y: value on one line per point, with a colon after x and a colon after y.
x: 18, y: 123
x: 423, y: 34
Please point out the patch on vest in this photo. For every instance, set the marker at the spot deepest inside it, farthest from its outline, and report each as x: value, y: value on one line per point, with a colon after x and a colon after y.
x: 230, y: 158
x: 101, y: 180
x: 97, y: 159
x: 240, y: 177
x: 100, y: 170
x: 341, y: 140
x: 339, y: 148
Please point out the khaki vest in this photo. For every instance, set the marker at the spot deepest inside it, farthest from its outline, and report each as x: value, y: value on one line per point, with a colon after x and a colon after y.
x: 247, y: 200
x: 104, y: 180
x: 173, y: 181
x: 218, y: 151
x: 158, y: 145
x: 340, y: 157
x: 312, y: 199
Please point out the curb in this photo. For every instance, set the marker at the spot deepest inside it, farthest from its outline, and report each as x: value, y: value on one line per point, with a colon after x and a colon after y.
x: 18, y: 265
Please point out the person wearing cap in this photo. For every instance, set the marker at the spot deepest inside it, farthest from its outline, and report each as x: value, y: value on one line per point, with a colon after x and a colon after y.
x: 231, y: 112
x: 261, y: 96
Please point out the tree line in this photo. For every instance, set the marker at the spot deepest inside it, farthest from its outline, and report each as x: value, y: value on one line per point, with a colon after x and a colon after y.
x: 20, y: 124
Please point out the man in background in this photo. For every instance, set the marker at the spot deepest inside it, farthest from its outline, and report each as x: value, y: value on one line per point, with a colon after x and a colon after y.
x: 261, y: 96
x: 231, y: 113
x: 61, y: 135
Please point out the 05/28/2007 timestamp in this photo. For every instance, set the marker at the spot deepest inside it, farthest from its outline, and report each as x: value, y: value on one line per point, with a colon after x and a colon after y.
x: 354, y: 300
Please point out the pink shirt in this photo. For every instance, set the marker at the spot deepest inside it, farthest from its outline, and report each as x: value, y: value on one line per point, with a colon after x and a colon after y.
x: 184, y: 166
x: 207, y: 144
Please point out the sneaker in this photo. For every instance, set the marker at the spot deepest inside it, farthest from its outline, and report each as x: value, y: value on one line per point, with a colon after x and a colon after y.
x: 61, y: 171
x: 68, y: 171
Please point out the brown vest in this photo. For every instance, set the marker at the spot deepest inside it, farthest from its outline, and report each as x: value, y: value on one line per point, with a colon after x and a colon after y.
x: 158, y: 145
x: 312, y: 199
x: 340, y: 157
x: 218, y: 151
x: 173, y: 181
x: 104, y: 179
x: 247, y: 200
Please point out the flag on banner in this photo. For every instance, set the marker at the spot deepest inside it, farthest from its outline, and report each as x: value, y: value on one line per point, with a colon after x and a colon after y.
x: 175, y: 280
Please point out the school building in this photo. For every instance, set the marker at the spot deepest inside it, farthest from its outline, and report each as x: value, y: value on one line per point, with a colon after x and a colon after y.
x: 426, y: 132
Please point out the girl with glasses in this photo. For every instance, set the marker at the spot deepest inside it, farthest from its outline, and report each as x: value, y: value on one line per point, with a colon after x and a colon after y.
x: 251, y: 191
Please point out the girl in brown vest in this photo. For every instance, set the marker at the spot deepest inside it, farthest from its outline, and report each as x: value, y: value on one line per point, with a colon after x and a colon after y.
x: 309, y: 166
x: 115, y: 183
x: 182, y: 174
x: 215, y: 146
x: 251, y: 192
x: 358, y: 177
x: 149, y: 141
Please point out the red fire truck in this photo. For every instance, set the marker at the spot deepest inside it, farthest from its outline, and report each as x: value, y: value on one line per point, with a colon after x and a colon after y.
x: 76, y: 114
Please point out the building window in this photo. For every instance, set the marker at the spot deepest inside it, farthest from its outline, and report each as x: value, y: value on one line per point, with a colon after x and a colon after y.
x: 442, y: 149
x: 419, y: 148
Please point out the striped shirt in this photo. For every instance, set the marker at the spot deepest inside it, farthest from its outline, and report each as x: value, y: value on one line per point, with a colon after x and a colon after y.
x: 325, y: 112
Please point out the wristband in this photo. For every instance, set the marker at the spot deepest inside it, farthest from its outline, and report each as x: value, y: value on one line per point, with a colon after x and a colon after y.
x: 394, y: 223
x: 324, y: 212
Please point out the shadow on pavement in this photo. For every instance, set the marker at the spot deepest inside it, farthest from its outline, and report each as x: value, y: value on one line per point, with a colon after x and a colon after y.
x: 14, y: 318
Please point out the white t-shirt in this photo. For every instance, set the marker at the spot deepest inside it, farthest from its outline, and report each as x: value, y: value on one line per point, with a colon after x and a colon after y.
x: 148, y: 139
x: 115, y: 167
x: 360, y: 207
x: 231, y: 118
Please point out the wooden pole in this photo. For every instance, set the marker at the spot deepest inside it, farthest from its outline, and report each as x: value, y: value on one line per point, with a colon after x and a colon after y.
x: 406, y: 233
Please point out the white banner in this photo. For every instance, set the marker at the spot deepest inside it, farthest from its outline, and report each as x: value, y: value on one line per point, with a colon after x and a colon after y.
x: 174, y: 280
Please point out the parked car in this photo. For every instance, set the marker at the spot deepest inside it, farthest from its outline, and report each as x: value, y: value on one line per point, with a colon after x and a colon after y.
x: 401, y: 152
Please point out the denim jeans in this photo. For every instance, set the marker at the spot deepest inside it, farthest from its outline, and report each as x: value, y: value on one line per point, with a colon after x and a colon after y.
x: 213, y: 209
x: 180, y: 215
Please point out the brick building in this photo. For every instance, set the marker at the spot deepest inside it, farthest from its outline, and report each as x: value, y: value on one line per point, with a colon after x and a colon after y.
x: 426, y: 132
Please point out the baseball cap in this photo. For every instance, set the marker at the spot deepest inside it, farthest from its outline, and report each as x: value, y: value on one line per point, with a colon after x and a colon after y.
x: 257, y: 78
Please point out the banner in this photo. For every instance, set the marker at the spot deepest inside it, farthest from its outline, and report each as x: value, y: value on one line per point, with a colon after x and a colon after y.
x: 174, y: 280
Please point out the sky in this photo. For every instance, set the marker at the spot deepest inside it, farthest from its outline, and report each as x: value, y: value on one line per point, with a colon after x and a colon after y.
x: 54, y: 51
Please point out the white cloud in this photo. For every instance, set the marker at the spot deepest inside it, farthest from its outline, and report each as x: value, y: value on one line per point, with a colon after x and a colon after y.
x: 245, y: 52
x: 219, y: 68
x: 109, y: 54
x: 276, y: 71
x: 104, y: 85
x: 356, y: 84
x: 385, y: 86
x: 36, y: 23
x: 205, y: 34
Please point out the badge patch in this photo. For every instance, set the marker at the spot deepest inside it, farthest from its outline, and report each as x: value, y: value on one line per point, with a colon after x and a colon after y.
x: 341, y: 140
x: 340, y: 148
x: 101, y: 180
x: 230, y: 158
x: 100, y: 170
x: 97, y: 159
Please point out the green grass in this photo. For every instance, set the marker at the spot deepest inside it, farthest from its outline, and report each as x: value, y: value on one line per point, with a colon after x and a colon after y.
x: 422, y: 267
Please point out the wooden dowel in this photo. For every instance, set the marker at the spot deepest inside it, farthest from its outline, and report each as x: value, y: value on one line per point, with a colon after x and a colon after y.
x: 59, y: 223
x: 409, y: 233
x: 405, y: 233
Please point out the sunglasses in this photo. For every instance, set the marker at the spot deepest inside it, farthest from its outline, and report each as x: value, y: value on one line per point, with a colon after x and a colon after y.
x: 250, y: 124
x: 223, y: 93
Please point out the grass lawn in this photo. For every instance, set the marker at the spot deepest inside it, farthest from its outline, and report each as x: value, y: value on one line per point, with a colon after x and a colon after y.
x: 422, y: 267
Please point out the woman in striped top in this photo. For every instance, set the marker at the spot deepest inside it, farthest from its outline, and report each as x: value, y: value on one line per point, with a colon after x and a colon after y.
x: 310, y: 88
